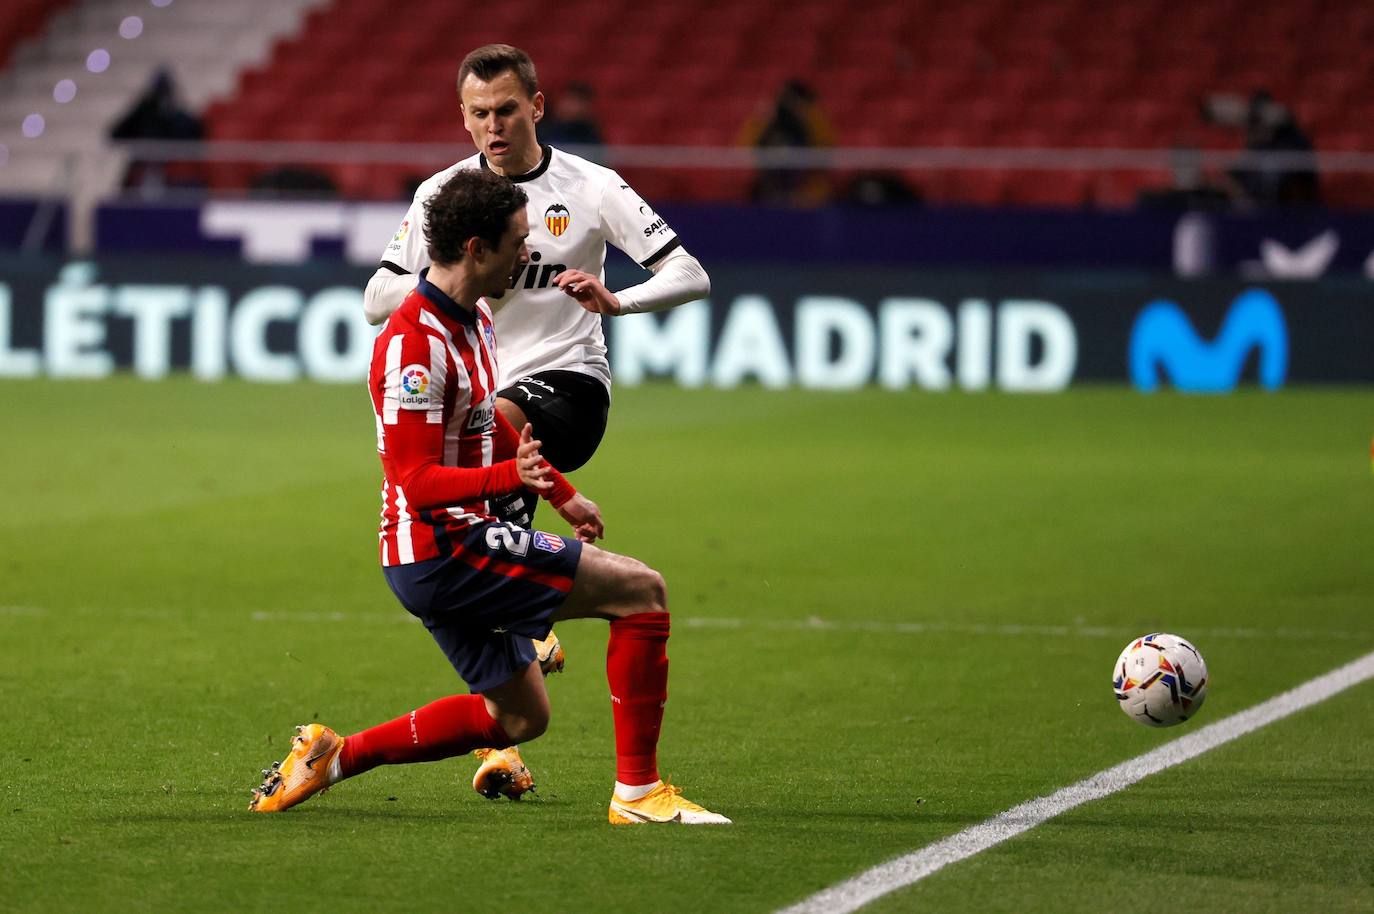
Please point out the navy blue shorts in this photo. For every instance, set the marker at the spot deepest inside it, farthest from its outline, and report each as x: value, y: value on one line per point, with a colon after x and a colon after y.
x: 486, y: 602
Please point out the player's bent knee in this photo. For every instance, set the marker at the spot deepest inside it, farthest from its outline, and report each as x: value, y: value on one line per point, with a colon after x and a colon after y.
x: 609, y: 585
x: 654, y: 590
x: 641, y: 589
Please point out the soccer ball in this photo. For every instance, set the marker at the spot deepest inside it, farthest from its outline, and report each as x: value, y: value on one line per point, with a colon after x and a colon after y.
x: 1160, y: 680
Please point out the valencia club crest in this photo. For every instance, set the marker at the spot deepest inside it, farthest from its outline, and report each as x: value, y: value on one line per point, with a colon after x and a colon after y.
x: 557, y: 218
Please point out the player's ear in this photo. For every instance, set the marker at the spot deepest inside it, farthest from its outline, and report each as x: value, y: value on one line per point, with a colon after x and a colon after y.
x: 475, y: 247
x: 538, y: 103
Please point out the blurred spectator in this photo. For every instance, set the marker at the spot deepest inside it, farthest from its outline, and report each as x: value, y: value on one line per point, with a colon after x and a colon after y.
x: 1190, y: 189
x: 572, y: 120
x: 1269, y: 128
x: 157, y: 115
x: 793, y: 121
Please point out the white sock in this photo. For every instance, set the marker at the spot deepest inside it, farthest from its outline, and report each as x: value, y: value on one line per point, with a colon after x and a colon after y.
x: 626, y: 792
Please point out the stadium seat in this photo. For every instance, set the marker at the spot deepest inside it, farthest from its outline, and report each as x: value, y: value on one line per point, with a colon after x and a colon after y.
x: 917, y: 73
x: 1039, y: 189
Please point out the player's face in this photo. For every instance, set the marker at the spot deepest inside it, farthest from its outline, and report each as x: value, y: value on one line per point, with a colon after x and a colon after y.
x: 501, y: 116
x: 508, y: 257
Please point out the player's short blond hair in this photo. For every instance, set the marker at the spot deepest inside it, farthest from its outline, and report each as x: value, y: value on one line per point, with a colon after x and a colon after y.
x: 491, y: 60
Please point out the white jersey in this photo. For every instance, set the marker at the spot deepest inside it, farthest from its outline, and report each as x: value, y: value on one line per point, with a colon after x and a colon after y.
x: 575, y: 207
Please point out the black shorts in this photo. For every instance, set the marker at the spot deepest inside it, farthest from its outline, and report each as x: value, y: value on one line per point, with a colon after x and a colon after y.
x: 568, y: 410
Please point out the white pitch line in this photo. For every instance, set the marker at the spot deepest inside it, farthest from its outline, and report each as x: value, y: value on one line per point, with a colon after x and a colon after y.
x: 872, y: 884
x: 808, y: 624
x: 816, y: 623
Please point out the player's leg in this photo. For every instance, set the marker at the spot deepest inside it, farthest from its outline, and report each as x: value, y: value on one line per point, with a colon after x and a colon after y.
x: 634, y: 598
x: 484, y: 621
x: 320, y: 757
x: 521, y: 708
x: 569, y: 426
x: 568, y: 411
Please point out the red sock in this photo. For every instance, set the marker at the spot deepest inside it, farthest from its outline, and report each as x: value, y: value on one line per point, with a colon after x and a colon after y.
x: 441, y: 729
x: 637, y: 670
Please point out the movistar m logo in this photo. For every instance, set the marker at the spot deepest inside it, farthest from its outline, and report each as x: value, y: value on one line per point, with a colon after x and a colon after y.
x: 1164, y: 341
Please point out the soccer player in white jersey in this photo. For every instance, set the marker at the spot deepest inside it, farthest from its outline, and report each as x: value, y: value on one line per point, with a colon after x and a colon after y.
x: 554, y: 371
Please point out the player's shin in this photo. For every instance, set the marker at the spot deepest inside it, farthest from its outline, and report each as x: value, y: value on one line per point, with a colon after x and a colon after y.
x: 441, y: 729
x: 637, y: 671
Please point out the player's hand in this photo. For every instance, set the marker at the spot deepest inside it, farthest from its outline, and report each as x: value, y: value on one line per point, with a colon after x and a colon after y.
x: 532, y: 467
x: 589, y: 292
x: 584, y: 517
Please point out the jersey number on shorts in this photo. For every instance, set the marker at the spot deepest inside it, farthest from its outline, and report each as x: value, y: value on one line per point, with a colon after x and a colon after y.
x: 516, y: 542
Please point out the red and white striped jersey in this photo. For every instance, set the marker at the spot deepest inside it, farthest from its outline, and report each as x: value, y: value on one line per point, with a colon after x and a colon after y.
x: 433, y: 386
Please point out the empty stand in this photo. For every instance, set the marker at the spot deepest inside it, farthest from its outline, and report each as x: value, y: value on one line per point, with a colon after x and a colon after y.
x: 889, y: 73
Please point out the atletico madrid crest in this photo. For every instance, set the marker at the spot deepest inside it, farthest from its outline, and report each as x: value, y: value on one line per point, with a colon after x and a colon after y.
x: 557, y: 217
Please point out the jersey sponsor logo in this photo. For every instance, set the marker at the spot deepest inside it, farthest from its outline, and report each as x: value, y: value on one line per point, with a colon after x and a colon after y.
x: 548, y: 542
x: 557, y: 218
x: 536, y: 275
x: 658, y: 225
x: 415, y: 385
x: 483, y: 416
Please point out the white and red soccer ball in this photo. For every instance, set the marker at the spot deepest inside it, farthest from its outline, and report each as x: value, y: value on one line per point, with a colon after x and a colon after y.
x: 1160, y: 680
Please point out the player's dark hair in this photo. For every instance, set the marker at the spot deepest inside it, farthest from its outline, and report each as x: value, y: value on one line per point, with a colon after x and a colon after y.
x: 471, y: 204
x: 491, y: 60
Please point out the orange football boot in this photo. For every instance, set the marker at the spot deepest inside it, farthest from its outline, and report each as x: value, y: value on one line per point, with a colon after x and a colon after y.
x: 502, y: 773
x: 303, y: 773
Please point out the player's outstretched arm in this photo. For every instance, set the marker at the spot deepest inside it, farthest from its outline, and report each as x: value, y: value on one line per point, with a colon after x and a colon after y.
x: 589, y: 291
x: 678, y: 278
x: 384, y: 293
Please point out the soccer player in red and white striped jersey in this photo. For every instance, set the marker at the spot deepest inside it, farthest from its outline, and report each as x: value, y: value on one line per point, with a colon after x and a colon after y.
x: 484, y: 588
x: 554, y: 370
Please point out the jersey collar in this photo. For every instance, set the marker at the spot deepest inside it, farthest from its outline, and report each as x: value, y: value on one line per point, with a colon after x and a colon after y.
x: 539, y: 169
x: 447, y: 306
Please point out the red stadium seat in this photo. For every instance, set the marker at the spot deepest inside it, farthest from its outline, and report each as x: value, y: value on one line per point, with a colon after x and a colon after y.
x: 1058, y: 190
x: 1348, y: 191
x: 1121, y: 189
x: 892, y: 73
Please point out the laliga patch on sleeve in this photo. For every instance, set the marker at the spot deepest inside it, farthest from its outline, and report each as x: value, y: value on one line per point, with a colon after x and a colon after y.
x: 416, y: 388
x: 548, y: 542
x: 397, y: 240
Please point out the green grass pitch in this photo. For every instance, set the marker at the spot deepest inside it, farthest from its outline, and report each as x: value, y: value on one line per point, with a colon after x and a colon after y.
x: 187, y: 571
